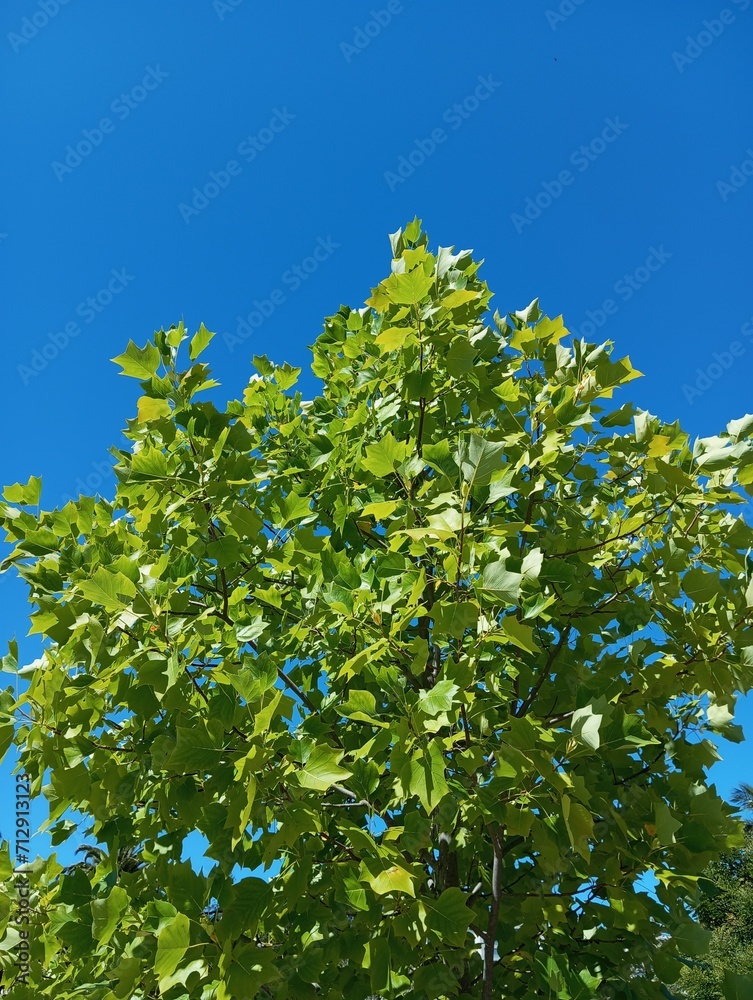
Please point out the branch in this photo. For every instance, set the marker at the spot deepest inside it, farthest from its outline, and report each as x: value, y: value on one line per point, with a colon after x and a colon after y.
x: 491, y: 930
x: 614, y: 538
x: 525, y: 706
x: 289, y: 683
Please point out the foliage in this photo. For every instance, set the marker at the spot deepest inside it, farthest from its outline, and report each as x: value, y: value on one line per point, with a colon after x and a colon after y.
x: 441, y: 649
x: 726, y: 909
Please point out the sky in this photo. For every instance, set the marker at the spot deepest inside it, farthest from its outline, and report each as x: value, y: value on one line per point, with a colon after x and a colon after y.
x: 241, y: 164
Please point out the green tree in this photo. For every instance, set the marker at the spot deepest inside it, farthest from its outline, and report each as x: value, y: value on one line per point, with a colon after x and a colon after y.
x: 726, y: 909
x: 441, y: 649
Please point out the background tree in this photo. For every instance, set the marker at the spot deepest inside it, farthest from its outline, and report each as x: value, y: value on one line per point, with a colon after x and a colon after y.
x: 726, y: 909
x: 440, y: 648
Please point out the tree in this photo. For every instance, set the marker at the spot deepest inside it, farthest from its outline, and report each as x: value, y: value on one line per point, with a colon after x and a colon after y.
x: 726, y: 909
x: 441, y: 649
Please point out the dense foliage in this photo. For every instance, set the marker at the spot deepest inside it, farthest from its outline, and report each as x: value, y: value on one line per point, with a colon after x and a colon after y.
x: 441, y: 649
x: 726, y: 909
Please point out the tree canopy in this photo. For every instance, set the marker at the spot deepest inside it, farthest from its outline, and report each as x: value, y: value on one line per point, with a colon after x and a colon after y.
x: 726, y: 909
x: 432, y: 661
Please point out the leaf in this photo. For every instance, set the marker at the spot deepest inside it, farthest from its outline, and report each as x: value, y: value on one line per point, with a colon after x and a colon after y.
x: 198, y: 342
x: 7, y: 732
x: 392, y: 879
x: 393, y: 338
x: 460, y: 297
x: 149, y: 408
x: 106, y: 913
x: 701, y: 586
x: 172, y: 943
x: 322, y: 769
x: 741, y: 428
x: 381, y: 510
x: 27, y: 494
x: 579, y: 823
x: 438, y: 699
x: 383, y: 457
x: 250, y: 969
x: 502, y: 583
x: 138, y: 362
x: 666, y: 824
x: 250, y: 899
x: 195, y: 750
x: 519, y: 634
x: 409, y: 288
x: 424, y: 776
x: 585, y: 725
x: 736, y: 986
x: 455, y: 618
x: 479, y: 458
x: 361, y: 707
x: 449, y: 916
x: 435, y: 981
x: 111, y: 591
x: 241, y: 803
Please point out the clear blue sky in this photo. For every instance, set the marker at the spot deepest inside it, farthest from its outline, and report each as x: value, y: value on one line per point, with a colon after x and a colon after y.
x: 624, y: 129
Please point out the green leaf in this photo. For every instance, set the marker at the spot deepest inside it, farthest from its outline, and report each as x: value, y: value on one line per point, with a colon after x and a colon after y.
x: 424, y: 776
x: 138, y: 362
x: 479, y: 459
x: 149, y: 409
x: 106, y: 914
x: 701, y: 586
x: 195, y: 750
x: 393, y: 338
x: 460, y: 297
x: 172, y: 944
x: 439, y: 698
x: 250, y: 900
x: 741, y: 428
x: 361, y: 707
x: 502, y: 583
x: 579, y: 823
x: 586, y: 723
x: 409, y: 288
x: 519, y: 634
x: 28, y: 494
x: 435, y: 981
x: 736, y: 986
x: 249, y: 970
x: 322, y: 769
x: 383, y: 458
x: 449, y: 916
x: 666, y: 825
x: 392, y: 879
x: 112, y: 591
x: 455, y: 618
x: 198, y: 342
